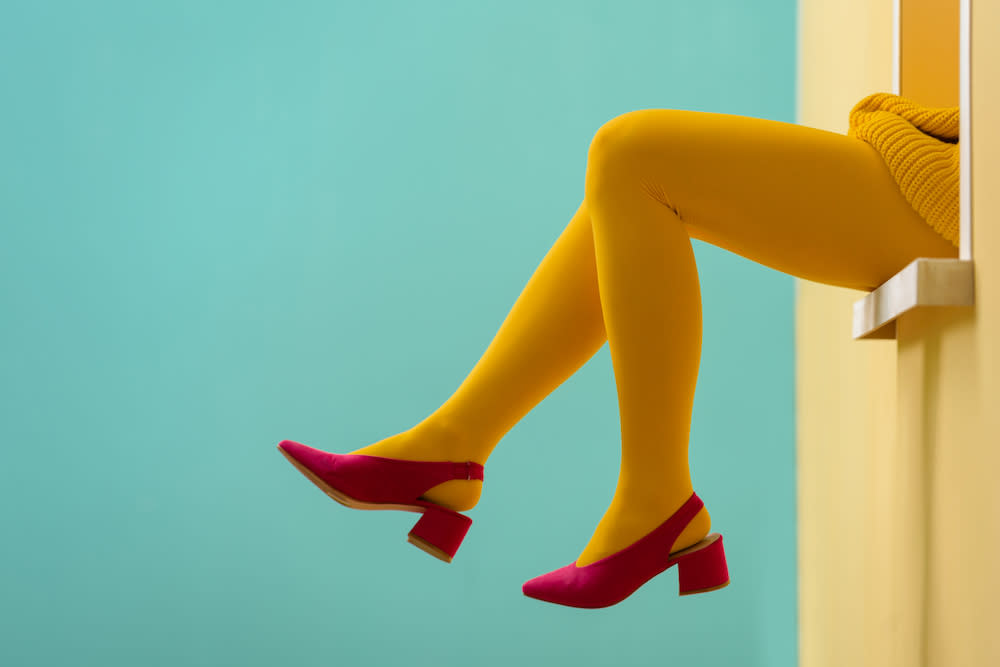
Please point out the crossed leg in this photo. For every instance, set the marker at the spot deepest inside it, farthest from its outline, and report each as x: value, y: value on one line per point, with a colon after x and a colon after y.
x: 811, y: 203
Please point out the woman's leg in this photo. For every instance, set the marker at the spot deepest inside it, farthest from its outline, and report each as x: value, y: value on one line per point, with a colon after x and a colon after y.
x: 811, y: 203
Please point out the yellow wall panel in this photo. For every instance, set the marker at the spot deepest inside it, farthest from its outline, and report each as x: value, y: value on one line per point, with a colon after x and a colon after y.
x: 929, y: 52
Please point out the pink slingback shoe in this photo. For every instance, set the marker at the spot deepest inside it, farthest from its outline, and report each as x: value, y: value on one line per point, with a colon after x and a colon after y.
x: 377, y: 483
x: 701, y: 567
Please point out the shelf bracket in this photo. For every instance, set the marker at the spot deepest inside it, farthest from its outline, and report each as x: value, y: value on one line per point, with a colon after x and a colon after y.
x: 926, y: 281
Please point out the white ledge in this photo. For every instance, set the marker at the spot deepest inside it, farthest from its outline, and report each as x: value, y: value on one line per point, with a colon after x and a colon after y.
x: 926, y: 281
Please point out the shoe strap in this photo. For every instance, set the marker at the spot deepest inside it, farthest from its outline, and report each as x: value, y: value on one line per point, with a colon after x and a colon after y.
x: 467, y: 470
x: 687, y: 512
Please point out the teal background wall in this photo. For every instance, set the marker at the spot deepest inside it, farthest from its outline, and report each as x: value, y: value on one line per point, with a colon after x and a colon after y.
x: 229, y: 223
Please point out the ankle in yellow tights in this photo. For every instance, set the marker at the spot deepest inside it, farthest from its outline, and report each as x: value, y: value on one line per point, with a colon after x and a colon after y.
x: 431, y: 442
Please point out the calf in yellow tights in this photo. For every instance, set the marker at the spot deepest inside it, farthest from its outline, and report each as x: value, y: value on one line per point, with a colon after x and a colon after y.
x: 811, y: 203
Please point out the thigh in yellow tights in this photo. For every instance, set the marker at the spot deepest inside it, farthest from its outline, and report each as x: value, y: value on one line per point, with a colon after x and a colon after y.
x: 815, y: 204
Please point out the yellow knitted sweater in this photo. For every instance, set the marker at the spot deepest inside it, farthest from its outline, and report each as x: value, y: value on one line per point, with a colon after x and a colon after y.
x: 920, y: 146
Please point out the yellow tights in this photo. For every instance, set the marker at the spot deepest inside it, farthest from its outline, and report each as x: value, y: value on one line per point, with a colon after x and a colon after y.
x: 811, y: 203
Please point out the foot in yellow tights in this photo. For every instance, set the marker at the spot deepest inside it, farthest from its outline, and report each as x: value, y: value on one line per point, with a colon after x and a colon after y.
x: 431, y: 442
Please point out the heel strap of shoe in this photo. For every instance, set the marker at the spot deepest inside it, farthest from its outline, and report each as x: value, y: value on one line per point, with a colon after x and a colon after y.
x: 468, y: 470
x: 688, y: 511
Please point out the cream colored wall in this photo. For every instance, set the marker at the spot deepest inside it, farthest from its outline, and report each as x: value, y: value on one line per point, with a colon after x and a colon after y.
x: 845, y: 389
x: 899, y: 441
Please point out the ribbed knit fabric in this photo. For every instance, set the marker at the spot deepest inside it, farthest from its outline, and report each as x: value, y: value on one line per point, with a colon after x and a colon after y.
x: 920, y: 146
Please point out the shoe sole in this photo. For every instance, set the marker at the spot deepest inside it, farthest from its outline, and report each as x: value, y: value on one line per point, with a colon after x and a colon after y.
x: 354, y: 503
x: 705, y: 590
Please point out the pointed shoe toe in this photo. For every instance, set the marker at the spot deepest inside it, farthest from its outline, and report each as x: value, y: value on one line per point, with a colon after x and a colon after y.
x: 316, y: 460
x: 557, y: 587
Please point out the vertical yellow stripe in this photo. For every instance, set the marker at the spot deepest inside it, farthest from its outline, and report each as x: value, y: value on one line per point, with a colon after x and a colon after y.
x: 845, y: 389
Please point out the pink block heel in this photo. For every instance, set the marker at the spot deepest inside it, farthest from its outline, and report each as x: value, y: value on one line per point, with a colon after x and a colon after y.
x: 440, y: 532
x: 379, y: 483
x: 702, y: 568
